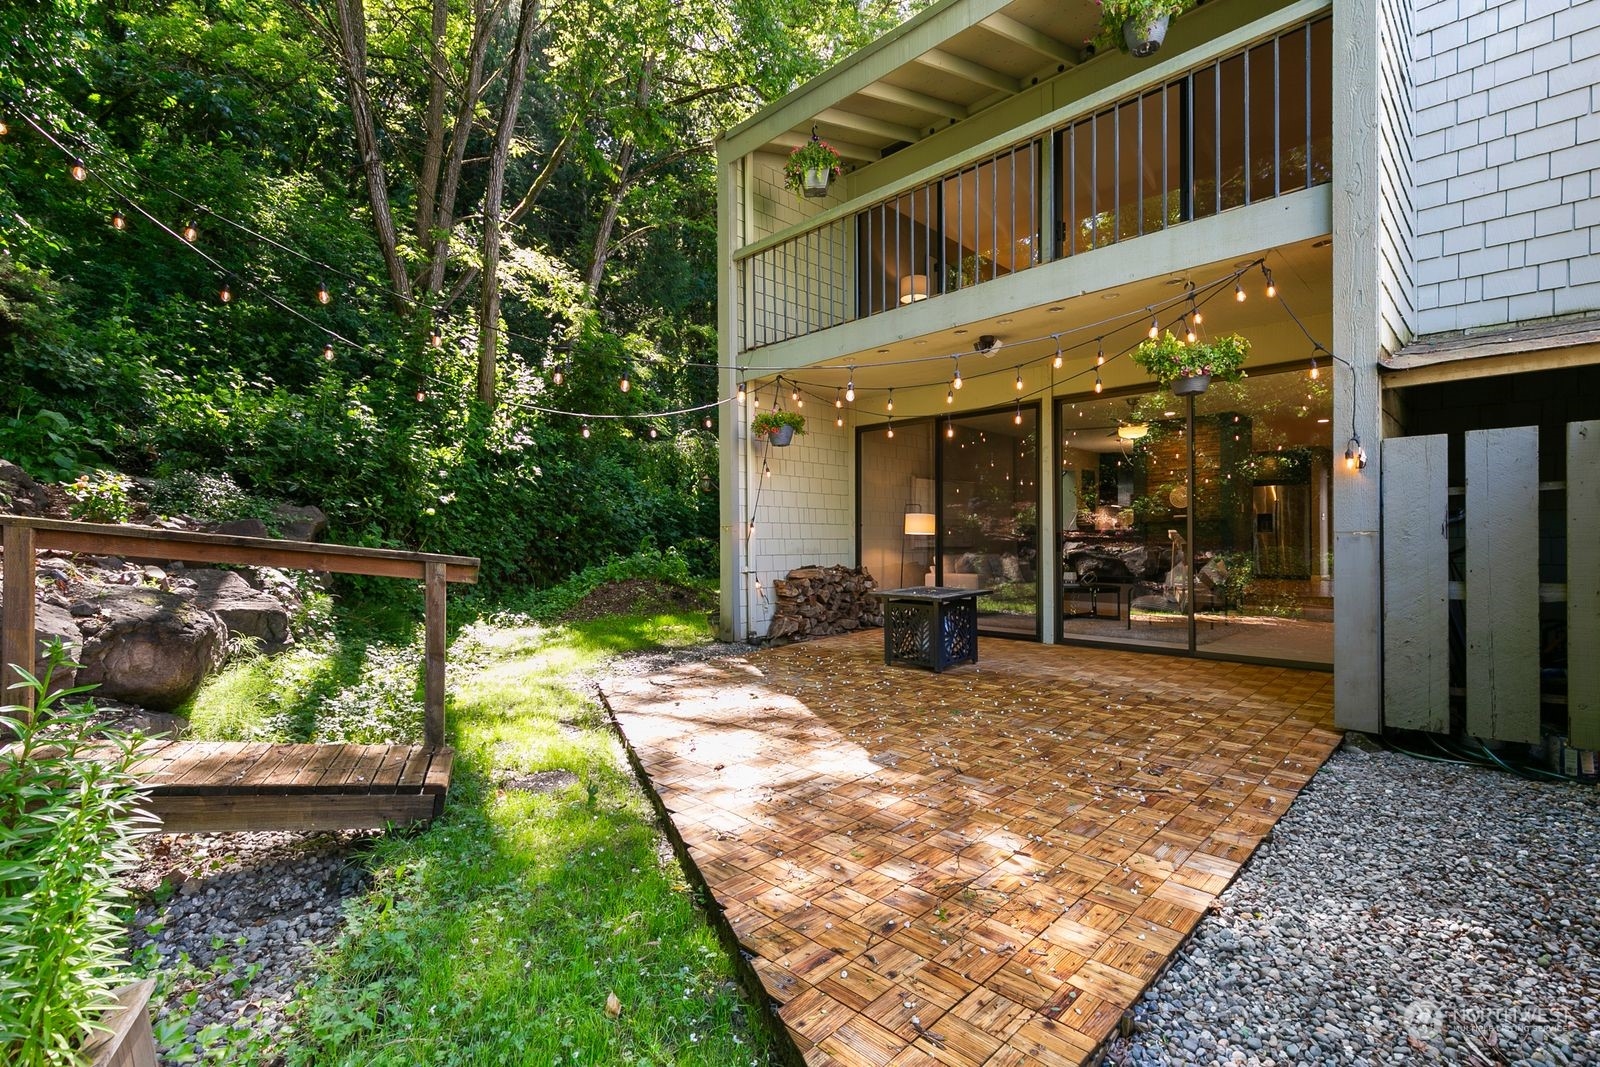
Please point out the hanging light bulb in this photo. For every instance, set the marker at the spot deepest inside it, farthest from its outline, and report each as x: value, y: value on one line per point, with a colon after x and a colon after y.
x: 752, y: 533
x: 794, y: 393
x: 1272, y: 289
x: 623, y: 383
x: 891, y: 428
x: 890, y: 406
x: 327, y: 352
x: 949, y: 396
x: 422, y: 394
x: 1194, y: 314
x: 435, y: 338
x: 1017, y: 418
x: 323, y: 296
x: 558, y: 375
x: 839, y: 421
x: 838, y: 398
x: 1019, y: 379
x: 1155, y: 328
x: 586, y: 431
x: 1316, y: 372
x: 766, y: 471
x: 654, y: 433
x: 955, y: 383
x: 225, y: 294
x: 708, y: 422
x: 799, y: 402
x: 1188, y: 332
x: 1100, y: 352
x: 4, y: 129
x: 1238, y: 292
x: 119, y: 221
x: 1057, y: 362
x: 79, y: 171
x: 1097, y: 385
x: 949, y: 427
x: 741, y: 392
x: 850, y: 387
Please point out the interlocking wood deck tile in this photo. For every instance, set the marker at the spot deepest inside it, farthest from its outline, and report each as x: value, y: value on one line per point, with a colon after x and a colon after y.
x: 982, y: 868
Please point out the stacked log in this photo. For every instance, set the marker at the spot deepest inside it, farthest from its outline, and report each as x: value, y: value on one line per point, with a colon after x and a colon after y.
x: 817, y: 601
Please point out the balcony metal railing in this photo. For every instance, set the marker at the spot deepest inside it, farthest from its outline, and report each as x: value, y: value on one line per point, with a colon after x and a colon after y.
x: 1249, y: 126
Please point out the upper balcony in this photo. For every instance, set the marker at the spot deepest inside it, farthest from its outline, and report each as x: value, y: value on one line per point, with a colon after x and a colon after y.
x: 1038, y: 168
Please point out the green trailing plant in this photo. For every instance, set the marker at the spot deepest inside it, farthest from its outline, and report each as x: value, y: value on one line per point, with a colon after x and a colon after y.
x: 1166, y: 358
x: 67, y: 826
x: 1115, y: 13
x: 770, y: 422
x: 815, y: 154
x: 101, y: 496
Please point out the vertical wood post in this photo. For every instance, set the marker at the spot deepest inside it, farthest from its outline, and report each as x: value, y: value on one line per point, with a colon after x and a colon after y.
x: 17, y: 640
x: 433, y: 653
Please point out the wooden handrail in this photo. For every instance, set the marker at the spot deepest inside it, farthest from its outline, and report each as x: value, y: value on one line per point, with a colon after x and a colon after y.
x: 24, y: 535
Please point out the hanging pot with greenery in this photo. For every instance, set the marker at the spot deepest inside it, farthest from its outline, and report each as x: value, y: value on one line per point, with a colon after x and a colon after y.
x: 1136, y: 26
x: 811, y: 167
x: 1189, y: 368
x: 778, y: 427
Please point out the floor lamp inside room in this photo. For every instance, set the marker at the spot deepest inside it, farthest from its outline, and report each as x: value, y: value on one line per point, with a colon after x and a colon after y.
x: 919, y: 526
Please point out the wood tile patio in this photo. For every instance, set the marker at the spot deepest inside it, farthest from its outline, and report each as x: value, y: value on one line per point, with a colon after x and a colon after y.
x: 986, y: 866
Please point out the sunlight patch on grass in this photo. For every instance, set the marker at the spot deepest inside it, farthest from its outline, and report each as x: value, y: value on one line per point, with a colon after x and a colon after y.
x: 497, y: 935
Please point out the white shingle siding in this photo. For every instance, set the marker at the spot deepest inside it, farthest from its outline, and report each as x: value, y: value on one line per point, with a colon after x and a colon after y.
x: 1505, y: 149
x: 805, y: 512
x: 1412, y: 115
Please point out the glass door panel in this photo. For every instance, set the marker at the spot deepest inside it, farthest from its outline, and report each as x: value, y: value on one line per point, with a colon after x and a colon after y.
x: 989, y: 515
x: 896, y: 508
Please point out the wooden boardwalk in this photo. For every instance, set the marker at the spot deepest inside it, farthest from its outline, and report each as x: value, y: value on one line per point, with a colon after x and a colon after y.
x: 225, y: 785
x: 986, y: 866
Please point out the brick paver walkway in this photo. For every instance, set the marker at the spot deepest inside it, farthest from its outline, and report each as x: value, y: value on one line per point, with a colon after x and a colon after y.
x: 986, y: 866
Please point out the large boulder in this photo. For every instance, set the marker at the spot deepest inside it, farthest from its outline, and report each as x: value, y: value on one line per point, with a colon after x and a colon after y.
x: 301, y: 523
x: 148, y: 647
x: 19, y: 493
x: 51, y: 622
x: 247, y: 611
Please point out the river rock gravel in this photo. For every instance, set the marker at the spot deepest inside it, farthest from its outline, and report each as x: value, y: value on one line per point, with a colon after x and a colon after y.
x: 248, y: 910
x: 1403, y: 912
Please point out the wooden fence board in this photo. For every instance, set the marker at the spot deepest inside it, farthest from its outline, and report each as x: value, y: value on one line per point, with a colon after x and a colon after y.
x: 1416, y: 574
x: 17, y: 623
x: 1583, y: 584
x: 1502, y: 603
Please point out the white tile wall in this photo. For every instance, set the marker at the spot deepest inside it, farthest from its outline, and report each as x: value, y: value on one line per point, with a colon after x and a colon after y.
x: 1506, y: 224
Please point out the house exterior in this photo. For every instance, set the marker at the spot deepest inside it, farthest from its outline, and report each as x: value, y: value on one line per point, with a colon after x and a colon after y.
x: 1396, y: 202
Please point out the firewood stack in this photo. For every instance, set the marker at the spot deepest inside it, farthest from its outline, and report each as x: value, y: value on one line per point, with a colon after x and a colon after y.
x: 817, y: 601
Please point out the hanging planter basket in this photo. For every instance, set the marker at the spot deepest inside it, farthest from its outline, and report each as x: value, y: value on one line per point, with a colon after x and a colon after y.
x: 811, y: 167
x: 1144, y: 35
x: 1191, y: 384
x: 817, y: 180
x: 782, y: 436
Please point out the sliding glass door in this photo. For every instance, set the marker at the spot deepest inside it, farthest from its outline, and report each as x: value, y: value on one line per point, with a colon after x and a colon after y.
x: 955, y: 502
x: 1213, y: 537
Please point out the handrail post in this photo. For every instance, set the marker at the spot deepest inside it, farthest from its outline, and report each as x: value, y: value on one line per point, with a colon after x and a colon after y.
x: 17, y: 640
x: 433, y: 654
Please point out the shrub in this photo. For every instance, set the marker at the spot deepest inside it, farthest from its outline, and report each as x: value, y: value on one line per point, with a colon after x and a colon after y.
x: 69, y: 823
x: 101, y: 496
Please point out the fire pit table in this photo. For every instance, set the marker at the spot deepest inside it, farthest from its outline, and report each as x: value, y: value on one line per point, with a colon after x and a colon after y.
x: 930, y: 626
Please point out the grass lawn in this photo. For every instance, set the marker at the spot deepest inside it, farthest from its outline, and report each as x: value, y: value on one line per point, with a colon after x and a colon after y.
x: 498, y: 935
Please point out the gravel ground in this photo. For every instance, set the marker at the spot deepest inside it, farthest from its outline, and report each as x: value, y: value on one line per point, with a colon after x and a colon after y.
x: 264, y: 902
x: 1404, y: 912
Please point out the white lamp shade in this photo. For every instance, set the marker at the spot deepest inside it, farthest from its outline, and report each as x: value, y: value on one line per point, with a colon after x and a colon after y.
x: 919, y: 524
x: 913, y: 287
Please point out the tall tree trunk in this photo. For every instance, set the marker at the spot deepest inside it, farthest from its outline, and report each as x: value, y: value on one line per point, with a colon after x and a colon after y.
x: 353, y: 43
x: 483, y: 19
x: 494, y: 194
x: 433, y: 151
x: 608, y: 217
